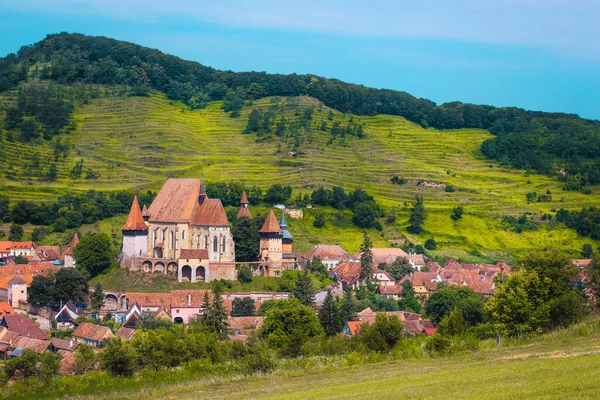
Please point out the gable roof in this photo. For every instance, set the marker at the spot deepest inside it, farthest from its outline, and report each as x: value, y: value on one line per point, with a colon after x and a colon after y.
x: 23, y: 326
x: 68, y: 313
x: 210, y: 213
x: 271, y: 225
x: 62, y: 344
x: 6, y: 308
x: 176, y: 201
x: 37, y: 345
x: 150, y: 299
x: 244, y: 324
x: 85, y: 330
x: 17, y: 280
x: 384, y: 254
x: 327, y: 252
x: 354, y: 326
x: 4, y: 281
x: 188, y: 298
x: 126, y: 333
x: 193, y: 254
x: 135, y: 221
x: 74, y: 242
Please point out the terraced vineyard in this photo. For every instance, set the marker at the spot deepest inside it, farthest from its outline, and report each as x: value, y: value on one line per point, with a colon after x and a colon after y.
x: 138, y: 142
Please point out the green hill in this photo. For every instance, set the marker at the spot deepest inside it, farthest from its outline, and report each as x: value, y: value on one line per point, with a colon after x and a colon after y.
x: 138, y: 142
x: 123, y: 133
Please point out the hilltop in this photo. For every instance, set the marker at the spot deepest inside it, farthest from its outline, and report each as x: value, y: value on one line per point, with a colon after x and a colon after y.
x: 124, y: 132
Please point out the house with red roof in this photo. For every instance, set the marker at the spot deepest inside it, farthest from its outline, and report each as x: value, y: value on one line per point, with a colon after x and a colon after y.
x: 329, y: 254
x: 348, y: 273
x: 20, y: 324
x: 91, y: 334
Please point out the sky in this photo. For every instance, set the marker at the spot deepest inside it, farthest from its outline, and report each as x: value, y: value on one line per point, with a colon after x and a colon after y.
x: 536, y: 54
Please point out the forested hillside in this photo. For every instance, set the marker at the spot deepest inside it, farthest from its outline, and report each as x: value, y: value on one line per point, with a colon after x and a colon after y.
x: 551, y: 143
x: 80, y: 113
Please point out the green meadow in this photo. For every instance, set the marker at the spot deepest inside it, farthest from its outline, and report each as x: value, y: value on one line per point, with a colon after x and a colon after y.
x: 139, y: 142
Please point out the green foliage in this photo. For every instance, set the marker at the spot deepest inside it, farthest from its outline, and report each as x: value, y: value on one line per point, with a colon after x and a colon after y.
x: 118, y: 358
x: 586, y: 222
x: 453, y: 324
x: 519, y: 306
x: 60, y: 287
x: 42, y: 366
x: 329, y: 315
x: 289, y: 324
x: 447, y: 298
x: 94, y: 253
x: 457, y: 213
x: 592, y: 272
x: 243, y: 307
x: 304, y: 290
x: 417, y: 216
x: 319, y: 221
x: 21, y: 260
x: 430, y: 244
x: 244, y: 273
x: 246, y: 237
x: 587, y: 251
x: 399, y: 268
x: 85, y: 359
x: 97, y: 298
x: 366, y: 214
x: 408, y: 301
x: 398, y: 181
x: 383, y: 334
x: 277, y: 194
x: 366, y: 259
x: 16, y: 233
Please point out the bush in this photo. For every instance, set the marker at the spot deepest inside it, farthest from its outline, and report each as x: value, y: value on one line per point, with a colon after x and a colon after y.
x: 382, y: 335
x: 431, y: 244
x: 449, y: 188
x: 319, y: 221
x: 244, y: 273
x: 438, y: 344
x: 260, y: 360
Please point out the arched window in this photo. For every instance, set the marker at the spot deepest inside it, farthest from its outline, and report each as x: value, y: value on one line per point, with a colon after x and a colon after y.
x: 171, y: 240
x: 154, y: 234
x: 183, y: 234
x: 224, y: 244
x: 162, y: 235
x: 215, y: 244
x: 206, y: 242
x: 198, y: 241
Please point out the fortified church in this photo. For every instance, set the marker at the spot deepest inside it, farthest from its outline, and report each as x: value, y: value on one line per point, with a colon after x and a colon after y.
x: 185, y: 232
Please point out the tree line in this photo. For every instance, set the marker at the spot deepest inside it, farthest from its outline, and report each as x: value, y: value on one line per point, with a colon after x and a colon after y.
x: 553, y: 143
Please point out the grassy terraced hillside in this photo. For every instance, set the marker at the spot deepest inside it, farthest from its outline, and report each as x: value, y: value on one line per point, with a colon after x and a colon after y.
x: 138, y: 142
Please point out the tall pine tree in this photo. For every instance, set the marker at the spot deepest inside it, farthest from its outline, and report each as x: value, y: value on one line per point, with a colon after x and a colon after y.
x: 366, y: 260
x: 304, y: 289
x: 417, y: 216
x: 347, y: 312
x: 217, y: 321
x: 329, y: 315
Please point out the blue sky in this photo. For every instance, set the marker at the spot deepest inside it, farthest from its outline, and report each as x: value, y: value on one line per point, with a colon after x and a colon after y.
x: 536, y: 54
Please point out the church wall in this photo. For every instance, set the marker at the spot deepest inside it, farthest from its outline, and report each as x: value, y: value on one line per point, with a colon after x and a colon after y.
x: 167, y: 250
x: 134, y: 245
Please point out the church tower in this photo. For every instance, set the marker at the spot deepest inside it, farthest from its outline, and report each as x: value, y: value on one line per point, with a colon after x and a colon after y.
x: 271, y: 246
x: 288, y: 257
x: 135, y: 233
x: 244, y: 211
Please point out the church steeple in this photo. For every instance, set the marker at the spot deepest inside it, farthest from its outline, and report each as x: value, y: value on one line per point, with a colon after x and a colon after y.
x: 287, y: 236
x: 202, y: 195
x: 135, y: 221
x: 244, y: 211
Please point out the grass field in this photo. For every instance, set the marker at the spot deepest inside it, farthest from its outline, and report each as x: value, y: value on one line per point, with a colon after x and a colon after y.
x: 137, y: 142
x: 559, y: 365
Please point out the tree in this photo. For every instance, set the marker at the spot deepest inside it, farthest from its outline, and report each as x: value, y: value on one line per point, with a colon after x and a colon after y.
x: 38, y: 233
x: 4, y: 208
x: 243, y: 307
x: 20, y: 259
x: 253, y: 121
x: 519, y: 306
x: 587, y: 251
x: 457, y: 213
x: 85, y: 359
x: 38, y: 293
x: 303, y: 290
x: 319, y: 221
x: 453, y: 324
x: 329, y: 315
x: 399, y: 268
x: 431, y: 244
x: 97, y: 298
x: 118, y: 358
x: 347, y: 309
x: 366, y: 259
x: 383, y: 334
x: 16, y: 233
x: 366, y: 214
x: 592, y: 272
x: 277, y: 194
x: 94, y: 253
x: 69, y: 284
x: 217, y: 315
x: 315, y: 266
x: 409, y: 301
x: 417, y: 216
x: 289, y: 324
x: 244, y: 273
x: 246, y: 238
x: 447, y: 298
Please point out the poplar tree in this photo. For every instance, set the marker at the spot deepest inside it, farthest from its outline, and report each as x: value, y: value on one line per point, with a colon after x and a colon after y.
x: 217, y: 316
x: 303, y: 290
x: 417, y: 216
x: 329, y: 315
x: 366, y: 260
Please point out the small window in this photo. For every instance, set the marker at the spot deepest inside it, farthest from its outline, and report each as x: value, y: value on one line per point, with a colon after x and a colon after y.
x: 183, y: 234
x: 177, y: 311
x: 215, y: 244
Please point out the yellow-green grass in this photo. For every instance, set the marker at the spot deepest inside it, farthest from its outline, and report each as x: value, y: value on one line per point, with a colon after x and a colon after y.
x: 138, y: 143
x: 560, y: 365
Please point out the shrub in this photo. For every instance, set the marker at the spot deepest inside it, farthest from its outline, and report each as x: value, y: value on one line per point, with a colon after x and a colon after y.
x: 319, y: 221
x: 244, y: 273
x: 431, y: 244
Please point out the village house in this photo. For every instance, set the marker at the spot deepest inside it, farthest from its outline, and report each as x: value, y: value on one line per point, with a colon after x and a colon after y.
x: 22, y: 326
x: 413, y: 323
x: 243, y: 326
x: 91, y: 334
x: 17, y: 291
x: 47, y: 253
x: 348, y: 273
x: 150, y: 302
x: 13, y: 249
x: 276, y: 247
x: 187, y: 304
x: 6, y: 309
x: 126, y: 333
x: 329, y: 254
x: 67, y: 256
x: 22, y: 342
x: 66, y: 318
x: 57, y: 345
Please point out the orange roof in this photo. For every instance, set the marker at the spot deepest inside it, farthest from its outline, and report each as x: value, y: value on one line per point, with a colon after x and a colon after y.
x: 384, y: 254
x: 5, y: 245
x: 145, y: 212
x: 188, y: 298
x: 244, y: 212
x: 193, y: 254
x: 271, y: 225
x: 150, y: 299
x: 327, y: 252
x: 210, y: 213
x: 6, y: 279
x: 94, y: 332
x: 5, y: 308
x: 135, y: 221
x: 74, y: 242
x: 176, y: 201
x: 581, y: 263
x: 244, y: 198
x: 354, y: 326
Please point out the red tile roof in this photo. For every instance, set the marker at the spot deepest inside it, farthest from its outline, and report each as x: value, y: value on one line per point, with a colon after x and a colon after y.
x: 244, y: 198
x: 271, y: 225
x: 135, y: 221
x: 5, y: 280
x: 74, y: 242
x: 5, y: 308
x: 150, y: 299
x: 384, y: 254
x: 37, y: 345
x: 244, y: 212
x: 188, y: 298
x: 245, y: 324
x: 62, y: 344
x: 355, y: 326
x: 85, y: 330
x: 327, y: 252
x: 145, y: 212
x: 193, y: 254
x: 210, y: 213
x: 126, y: 333
x: 176, y: 201
x: 23, y: 326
